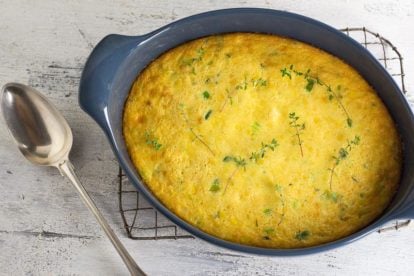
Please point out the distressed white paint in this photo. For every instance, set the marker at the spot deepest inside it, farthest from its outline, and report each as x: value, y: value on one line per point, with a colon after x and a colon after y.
x: 37, y: 39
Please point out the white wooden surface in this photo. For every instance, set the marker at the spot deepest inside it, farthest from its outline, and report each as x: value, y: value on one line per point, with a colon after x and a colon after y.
x: 45, y: 43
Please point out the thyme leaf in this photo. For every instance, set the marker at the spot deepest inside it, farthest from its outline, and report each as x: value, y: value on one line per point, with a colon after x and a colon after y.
x: 332, y: 196
x: 269, y: 230
x: 286, y: 73
x: 302, y: 235
x: 309, y: 85
x: 215, y: 186
x: 206, y: 95
x: 267, y: 211
x: 208, y: 114
x: 349, y: 122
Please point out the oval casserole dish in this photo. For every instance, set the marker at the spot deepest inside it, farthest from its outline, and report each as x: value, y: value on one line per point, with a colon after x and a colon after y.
x: 117, y: 60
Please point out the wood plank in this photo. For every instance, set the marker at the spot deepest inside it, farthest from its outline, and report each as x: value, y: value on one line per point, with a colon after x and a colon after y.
x: 44, y: 228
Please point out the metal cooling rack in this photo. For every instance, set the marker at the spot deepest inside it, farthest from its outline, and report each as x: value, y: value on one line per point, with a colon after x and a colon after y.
x: 143, y: 222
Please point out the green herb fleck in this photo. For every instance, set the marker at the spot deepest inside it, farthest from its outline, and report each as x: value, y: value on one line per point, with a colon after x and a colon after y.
x: 256, y: 127
x: 217, y: 215
x: 206, y: 95
x: 152, y: 141
x: 188, y: 61
x: 302, y: 235
x: 200, y: 52
x: 215, y: 187
x: 228, y: 55
x: 332, y: 196
x: 267, y: 211
x: 342, y: 154
x: 208, y: 114
x: 269, y: 230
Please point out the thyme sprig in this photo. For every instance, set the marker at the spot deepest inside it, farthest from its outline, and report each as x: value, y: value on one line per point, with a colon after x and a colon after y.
x: 278, y: 189
x: 229, y: 97
x: 230, y: 177
x: 342, y: 155
x: 229, y: 93
x: 242, y: 85
x: 199, y: 56
x: 299, y: 128
x: 191, y: 129
x: 259, y: 82
x: 255, y: 156
x: 241, y: 162
x: 191, y: 61
x: 310, y: 83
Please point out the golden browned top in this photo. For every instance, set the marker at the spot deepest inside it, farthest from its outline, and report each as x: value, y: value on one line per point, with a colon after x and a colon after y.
x: 262, y: 140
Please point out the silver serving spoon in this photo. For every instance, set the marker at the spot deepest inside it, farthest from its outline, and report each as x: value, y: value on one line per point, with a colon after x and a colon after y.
x: 45, y: 138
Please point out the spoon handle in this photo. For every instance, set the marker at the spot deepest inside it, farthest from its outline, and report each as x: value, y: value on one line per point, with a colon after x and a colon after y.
x: 66, y: 168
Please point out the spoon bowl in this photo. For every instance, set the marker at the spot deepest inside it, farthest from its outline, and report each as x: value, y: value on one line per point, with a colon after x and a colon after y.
x: 40, y: 131
x: 45, y: 138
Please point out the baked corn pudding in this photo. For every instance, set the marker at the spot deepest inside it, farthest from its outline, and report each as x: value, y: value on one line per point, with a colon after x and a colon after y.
x: 262, y: 140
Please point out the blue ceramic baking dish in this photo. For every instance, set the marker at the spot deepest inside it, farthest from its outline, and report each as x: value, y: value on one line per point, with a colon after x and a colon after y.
x: 117, y: 60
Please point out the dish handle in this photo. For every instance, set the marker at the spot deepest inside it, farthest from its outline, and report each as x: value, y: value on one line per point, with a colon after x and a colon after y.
x: 98, y: 74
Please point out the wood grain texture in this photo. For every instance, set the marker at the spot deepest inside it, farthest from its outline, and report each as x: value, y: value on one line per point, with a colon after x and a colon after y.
x: 44, y: 228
